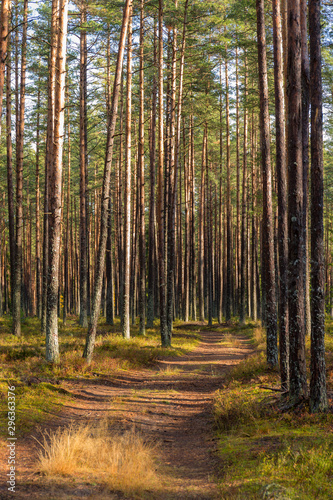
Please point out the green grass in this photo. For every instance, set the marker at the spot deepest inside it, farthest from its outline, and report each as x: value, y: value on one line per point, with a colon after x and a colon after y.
x: 38, y: 383
x: 268, y: 453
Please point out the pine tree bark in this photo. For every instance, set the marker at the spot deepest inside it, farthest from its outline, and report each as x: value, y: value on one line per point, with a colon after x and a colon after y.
x: 10, y: 185
x: 254, y: 259
x: 4, y: 22
x: 243, y: 280
x: 187, y: 182
x: 160, y: 205
x: 305, y: 157
x: 141, y: 181
x: 67, y: 237
x: 281, y: 173
x: 318, y: 395
x: 221, y: 277
x: 175, y: 127
x: 127, y: 197
x: 152, y: 208
x: 268, y: 226
x: 17, y: 284
x: 228, y: 277
x: 298, y: 385
x: 38, y: 260
x: 83, y: 169
x: 109, y: 271
x: 49, y: 154
x: 98, y: 282
x: 238, y: 270
x: 55, y: 190
x: 201, y: 232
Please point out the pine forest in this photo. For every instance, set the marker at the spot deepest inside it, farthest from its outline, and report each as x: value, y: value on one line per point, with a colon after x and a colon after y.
x: 166, y: 226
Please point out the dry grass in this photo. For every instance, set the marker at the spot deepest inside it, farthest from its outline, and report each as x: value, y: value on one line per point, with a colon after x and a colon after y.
x: 259, y: 336
x: 169, y: 370
x: 121, y: 462
x: 231, y: 340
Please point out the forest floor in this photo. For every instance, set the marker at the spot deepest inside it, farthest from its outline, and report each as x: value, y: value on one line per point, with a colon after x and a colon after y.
x: 204, y: 419
x: 170, y: 404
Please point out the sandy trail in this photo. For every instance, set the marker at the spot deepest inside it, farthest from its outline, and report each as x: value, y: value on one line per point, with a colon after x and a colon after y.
x: 170, y: 404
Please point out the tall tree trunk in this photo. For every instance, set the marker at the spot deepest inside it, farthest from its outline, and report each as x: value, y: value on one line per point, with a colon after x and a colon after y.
x: 10, y: 186
x: 127, y: 183
x: 318, y: 396
x: 83, y: 169
x: 305, y: 157
x: 160, y: 205
x: 254, y: 287
x: 175, y: 127
x: 98, y: 282
x: 152, y: 209
x: 244, y: 202
x: 109, y: 271
x: 187, y: 269
x: 141, y: 181
x: 201, y: 232
x: 298, y: 386
x: 268, y: 226
x: 238, y: 223
x: 281, y: 173
x: 170, y: 183
x: 67, y: 239
x: 38, y: 261
x: 228, y: 206
x: 19, y: 185
x: 221, y: 277
x: 55, y: 191
x: 49, y: 153
x: 4, y: 21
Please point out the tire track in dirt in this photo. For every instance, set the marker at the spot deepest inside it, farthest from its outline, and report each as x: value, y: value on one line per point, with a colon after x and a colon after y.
x: 170, y: 404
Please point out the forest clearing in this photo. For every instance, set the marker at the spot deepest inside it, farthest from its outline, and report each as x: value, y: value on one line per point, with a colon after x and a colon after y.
x: 166, y: 248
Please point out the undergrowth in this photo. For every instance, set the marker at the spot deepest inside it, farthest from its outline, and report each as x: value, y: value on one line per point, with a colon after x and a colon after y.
x: 268, y: 452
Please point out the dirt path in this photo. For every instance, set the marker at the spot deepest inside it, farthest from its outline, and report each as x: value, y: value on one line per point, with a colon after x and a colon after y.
x: 171, y: 404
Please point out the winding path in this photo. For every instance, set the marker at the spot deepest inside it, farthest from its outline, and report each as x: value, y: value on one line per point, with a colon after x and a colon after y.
x: 171, y: 404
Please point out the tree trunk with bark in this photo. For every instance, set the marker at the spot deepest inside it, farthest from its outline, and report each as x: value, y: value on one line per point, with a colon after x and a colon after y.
x: 244, y: 203
x: 98, y: 282
x: 268, y: 226
x: 152, y: 208
x: 55, y: 190
x: 298, y: 385
x: 228, y: 277
x: 4, y: 22
x: 17, y: 284
x: 83, y: 169
x: 127, y: 180
x: 10, y: 186
x: 318, y: 395
x: 160, y: 205
x: 281, y: 173
x: 49, y: 153
x: 141, y: 190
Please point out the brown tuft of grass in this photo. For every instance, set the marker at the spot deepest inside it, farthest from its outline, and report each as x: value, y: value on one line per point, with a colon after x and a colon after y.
x: 231, y: 340
x: 259, y: 336
x: 121, y: 462
x: 168, y: 371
